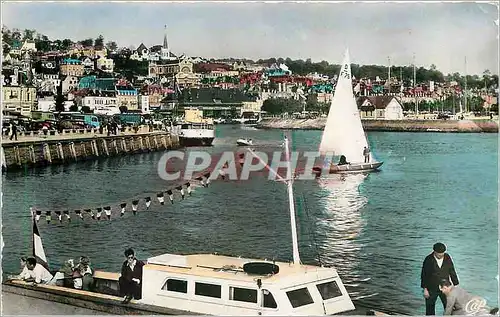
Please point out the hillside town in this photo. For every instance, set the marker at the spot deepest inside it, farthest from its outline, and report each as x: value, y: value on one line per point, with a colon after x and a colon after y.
x: 41, y: 76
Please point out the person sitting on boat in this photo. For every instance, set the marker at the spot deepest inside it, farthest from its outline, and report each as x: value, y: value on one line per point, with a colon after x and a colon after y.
x: 36, y: 273
x: 343, y: 160
x: 83, y: 275
x: 64, y: 277
x: 131, y: 278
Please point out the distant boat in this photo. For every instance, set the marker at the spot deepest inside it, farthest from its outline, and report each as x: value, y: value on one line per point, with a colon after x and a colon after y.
x: 244, y: 142
x: 344, y: 134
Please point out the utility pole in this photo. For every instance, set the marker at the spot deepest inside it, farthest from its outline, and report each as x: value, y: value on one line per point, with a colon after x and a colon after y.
x: 389, y: 76
x: 465, y: 91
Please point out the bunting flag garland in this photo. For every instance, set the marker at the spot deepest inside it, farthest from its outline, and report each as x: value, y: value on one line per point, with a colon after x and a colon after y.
x: 181, y: 189
x: 170, y: 196
x: 185, y: 189
x: 59, y: 215
x: 161, y: 199
x: 123, y: 205
x: 135, y: 203
x: 107, y: 211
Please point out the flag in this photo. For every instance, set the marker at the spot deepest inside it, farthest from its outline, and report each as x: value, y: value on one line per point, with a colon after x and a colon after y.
x: 148, y: 202
x: 99, y: 211
x: 135, y: 203
x: 66, y: 212
x: 59, y: 215
x: 47, y: 216
x: 79, y: 213
x: 107, y: 211
x: 160, y: 197
x: 188, y: 187
x: 170, y: 196
x: 181, y: 189
x: 38, y: 251
x: 38, y: 215
x: 123, y: 205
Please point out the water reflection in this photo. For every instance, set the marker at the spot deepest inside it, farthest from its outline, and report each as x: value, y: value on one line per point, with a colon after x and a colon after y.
x: 339, y: 225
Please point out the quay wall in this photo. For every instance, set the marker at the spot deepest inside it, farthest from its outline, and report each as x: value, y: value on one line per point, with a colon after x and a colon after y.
x: 32, y: 151
x: 476, y: 126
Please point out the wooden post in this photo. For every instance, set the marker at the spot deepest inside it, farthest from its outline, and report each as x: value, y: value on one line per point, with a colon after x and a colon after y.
x: 32, y: 154
x: 141, y: 143
x: 148, y: 143
x: 156, y: 143
x: 46, y: 153
x: 84, y: 149
x: 60, y: 151
x: 72, y: 150
x: 115, y: 146
x: 124, y: 145
x: 164, y: 142
x: 17, y: 156
x: 94, y: 148
x: 105, y: 145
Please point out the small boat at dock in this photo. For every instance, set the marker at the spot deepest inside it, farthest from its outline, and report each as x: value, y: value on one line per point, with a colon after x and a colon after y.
x: 244, y: 142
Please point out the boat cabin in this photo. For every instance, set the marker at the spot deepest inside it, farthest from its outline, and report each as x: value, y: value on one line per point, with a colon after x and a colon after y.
x: 221, y: 285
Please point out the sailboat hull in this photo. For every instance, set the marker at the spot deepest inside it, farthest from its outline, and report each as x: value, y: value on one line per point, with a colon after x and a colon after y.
x: 352, y: 168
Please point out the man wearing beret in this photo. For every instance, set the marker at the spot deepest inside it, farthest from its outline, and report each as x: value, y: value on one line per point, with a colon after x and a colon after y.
x: 437, y: 266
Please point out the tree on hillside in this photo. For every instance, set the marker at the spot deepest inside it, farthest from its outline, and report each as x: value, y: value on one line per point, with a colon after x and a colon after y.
x: 112, y: 46
x: 16, y: 35
x: 281, y: 105
x: 99, y: 41
x: 73, y: 108
x: 123, y: 109
x: 60, y: 103
x: 87, y: 42
x: 86, y: 109
x: 29, y: 34
x: 66, y: 44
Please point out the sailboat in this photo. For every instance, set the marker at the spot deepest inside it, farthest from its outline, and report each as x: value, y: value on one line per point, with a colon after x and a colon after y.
x: 212, y: 284
x: 343, y: 134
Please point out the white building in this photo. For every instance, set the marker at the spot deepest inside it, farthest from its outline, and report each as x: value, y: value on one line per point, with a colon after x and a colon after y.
x: 380, y: 108
x: 94, y: 102
x: 144, y: 104
x: 69, y: 83
x: 106, y: 64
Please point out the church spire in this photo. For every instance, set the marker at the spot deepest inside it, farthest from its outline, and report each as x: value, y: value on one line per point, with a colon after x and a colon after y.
x: 165, y: 43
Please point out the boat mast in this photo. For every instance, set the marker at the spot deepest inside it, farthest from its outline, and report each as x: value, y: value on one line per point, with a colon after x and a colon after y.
x: 465, y: 92
x: 389, y: 75
x: 291, y: 201
x: 414, y: 85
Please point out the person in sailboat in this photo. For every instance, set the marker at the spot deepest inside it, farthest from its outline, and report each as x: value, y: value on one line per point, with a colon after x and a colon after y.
x: 343, y: 160
x: 35, y: 272
x: 366, y: 154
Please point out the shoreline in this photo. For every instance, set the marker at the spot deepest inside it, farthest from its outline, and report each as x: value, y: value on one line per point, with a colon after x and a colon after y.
x: 440, y: 126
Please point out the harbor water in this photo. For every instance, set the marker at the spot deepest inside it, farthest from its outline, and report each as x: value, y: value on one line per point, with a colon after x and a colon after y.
x: 376, y: 229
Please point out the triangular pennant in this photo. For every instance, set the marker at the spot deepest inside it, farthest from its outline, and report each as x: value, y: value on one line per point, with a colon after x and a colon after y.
x: 78, y: 212
x: 170, y: 196
x: 38, y: 215
x: 47, y: 216
x: 99, y: 211
x: 181, y: 189
x: 188, y: 187
x: 135, y: 203
x: 161, y: 199
x: 59, y: 215
x: 90, y: 213
x: 148, y: 202
x: 66, y: 213
x: 107, y: 211
x: 123, y: 205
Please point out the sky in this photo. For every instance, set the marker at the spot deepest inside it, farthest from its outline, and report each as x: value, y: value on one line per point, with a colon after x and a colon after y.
x: 444, y: 34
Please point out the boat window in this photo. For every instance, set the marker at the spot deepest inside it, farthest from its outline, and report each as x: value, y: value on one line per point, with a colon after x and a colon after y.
x: 299, y: 297
x: 185, y: 126
x: 329, y: 290
x: 174, y: 285
x: 210, y: 290
x: 243, y: 294
x: 269, y: 301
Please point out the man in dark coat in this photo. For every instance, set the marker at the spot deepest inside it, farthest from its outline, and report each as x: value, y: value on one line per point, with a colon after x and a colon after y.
x: 437, y: 266
x: 131, y: 278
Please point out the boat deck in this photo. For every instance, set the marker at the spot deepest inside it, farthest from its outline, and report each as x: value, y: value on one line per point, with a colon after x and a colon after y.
x: 230, y: 268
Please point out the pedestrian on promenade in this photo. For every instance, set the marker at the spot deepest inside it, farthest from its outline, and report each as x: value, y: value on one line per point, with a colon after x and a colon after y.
x: 14, y: 131
x: 436, y: 267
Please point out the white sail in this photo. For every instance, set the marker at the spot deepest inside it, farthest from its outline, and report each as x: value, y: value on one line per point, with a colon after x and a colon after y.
x: 343, y: 133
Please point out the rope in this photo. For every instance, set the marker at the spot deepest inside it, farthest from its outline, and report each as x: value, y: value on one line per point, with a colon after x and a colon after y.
x: 311, y: 230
